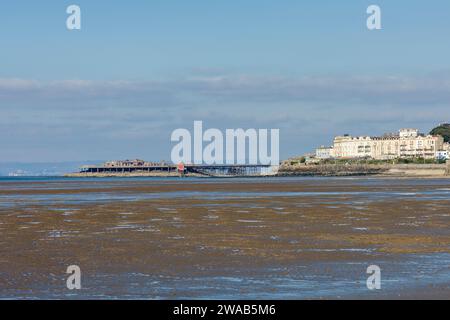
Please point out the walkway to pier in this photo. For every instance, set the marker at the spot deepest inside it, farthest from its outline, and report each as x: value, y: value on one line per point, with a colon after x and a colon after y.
x: 206, y: 170
x: 230, y: 170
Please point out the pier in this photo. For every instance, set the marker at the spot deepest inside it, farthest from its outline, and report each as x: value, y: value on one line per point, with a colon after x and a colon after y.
x: 232, y: 170
x: 145, y: 168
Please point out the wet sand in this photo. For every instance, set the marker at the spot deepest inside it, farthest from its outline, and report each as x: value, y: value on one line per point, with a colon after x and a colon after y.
x: 290, y: 238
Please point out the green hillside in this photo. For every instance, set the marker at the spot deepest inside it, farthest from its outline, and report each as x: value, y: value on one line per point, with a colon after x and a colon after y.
x: 442, y: 130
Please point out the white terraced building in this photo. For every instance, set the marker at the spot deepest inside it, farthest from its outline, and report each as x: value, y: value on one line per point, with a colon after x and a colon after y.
x: 407, y: 144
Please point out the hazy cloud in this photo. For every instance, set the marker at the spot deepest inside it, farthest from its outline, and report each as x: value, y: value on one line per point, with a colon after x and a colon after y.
x: 392, y: 89
x: 105, y: 119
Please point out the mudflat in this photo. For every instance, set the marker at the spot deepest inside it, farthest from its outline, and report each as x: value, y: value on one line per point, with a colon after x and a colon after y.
x: 292, y: 238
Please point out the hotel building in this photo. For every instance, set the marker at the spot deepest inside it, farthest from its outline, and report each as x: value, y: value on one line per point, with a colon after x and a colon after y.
x: 408, y: 143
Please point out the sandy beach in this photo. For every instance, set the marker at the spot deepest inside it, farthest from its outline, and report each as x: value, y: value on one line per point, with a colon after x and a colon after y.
x: 291, y: 238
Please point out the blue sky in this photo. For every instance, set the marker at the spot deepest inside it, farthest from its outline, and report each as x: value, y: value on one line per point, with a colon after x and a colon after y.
x: 139, y: 69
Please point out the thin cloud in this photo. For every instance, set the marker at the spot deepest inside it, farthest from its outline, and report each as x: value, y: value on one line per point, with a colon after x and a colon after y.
x: 399, y: 90
x: 93, y: 117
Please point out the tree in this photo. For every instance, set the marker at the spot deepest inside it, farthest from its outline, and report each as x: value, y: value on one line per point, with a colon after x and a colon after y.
x: 442, y: 130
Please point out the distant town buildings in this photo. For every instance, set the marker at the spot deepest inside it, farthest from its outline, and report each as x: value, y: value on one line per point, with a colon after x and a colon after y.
x: 408, y: 143
x: 131, y: 163
x: 324, y: 152
x: 447, y: 146
x: 443, y: 155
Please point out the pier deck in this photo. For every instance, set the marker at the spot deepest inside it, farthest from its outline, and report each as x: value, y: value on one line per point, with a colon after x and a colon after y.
x: 204, y: 170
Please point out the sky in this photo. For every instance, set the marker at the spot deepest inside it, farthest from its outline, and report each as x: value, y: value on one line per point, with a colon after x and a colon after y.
x: 137, y: 70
